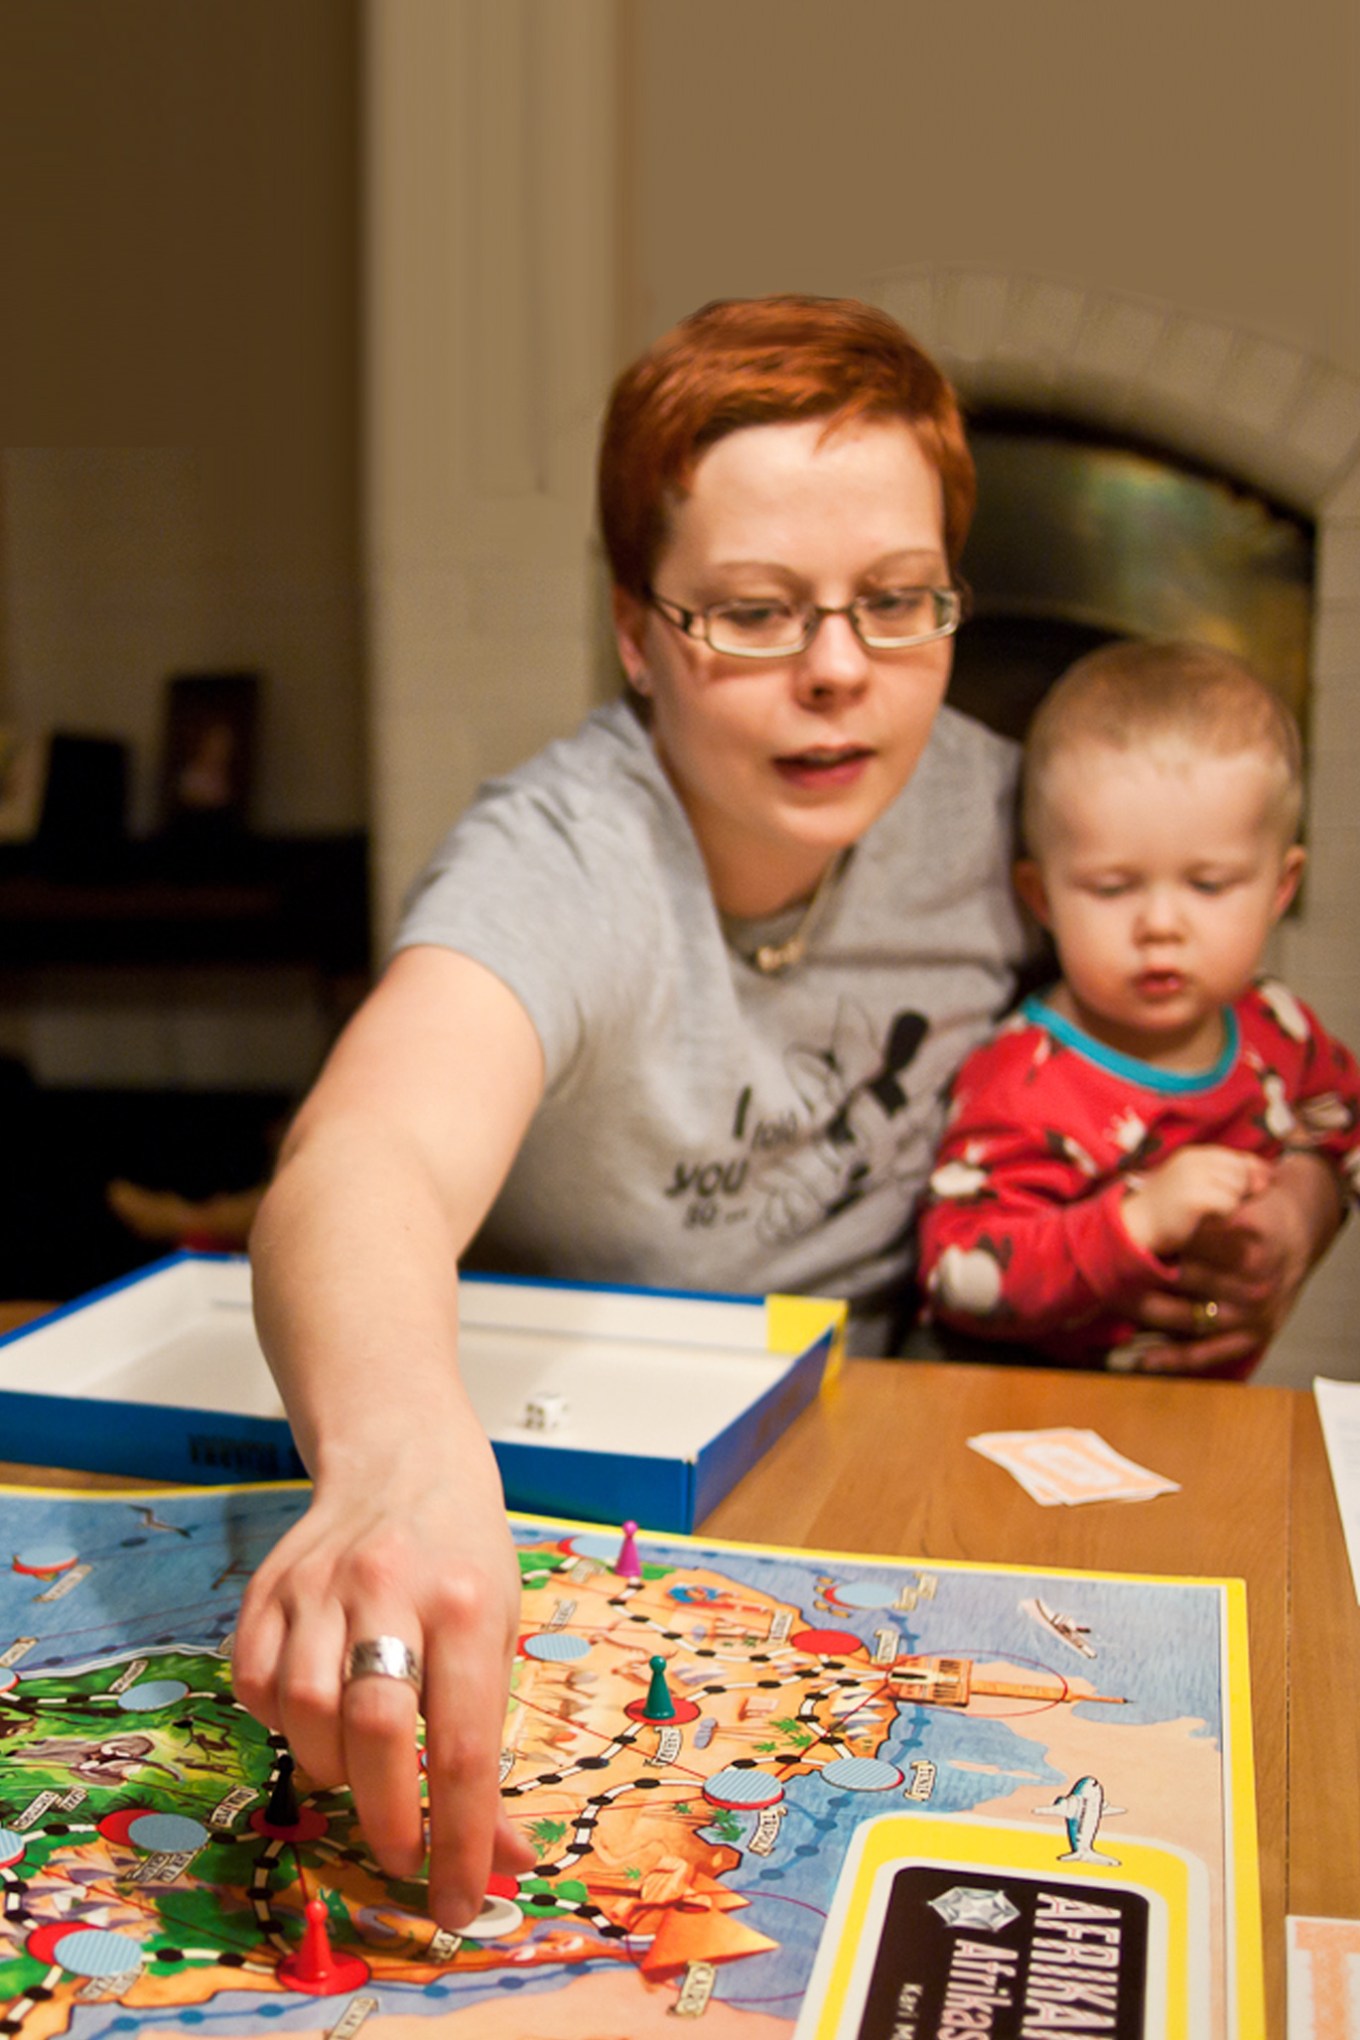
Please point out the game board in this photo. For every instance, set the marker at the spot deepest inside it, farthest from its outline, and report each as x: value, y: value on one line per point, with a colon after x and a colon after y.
x: 892, y: 1800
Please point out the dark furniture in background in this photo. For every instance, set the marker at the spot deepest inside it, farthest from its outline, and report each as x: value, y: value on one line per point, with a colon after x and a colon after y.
x: 162, y: 904
x: 172, y: 900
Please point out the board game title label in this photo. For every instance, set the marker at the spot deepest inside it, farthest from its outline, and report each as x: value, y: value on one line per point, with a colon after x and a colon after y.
x: 1005, y: 1956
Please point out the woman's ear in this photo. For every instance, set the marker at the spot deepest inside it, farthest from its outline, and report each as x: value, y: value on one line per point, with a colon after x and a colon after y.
x: 630, y: 626
x: 1028, y: 881
x: 1291, y: 871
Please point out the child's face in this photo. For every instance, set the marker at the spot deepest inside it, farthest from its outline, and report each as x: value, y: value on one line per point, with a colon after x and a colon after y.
x: 1162, y: 874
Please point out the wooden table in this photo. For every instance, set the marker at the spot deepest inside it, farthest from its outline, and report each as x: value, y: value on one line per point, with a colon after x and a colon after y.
x: 881, y: 1464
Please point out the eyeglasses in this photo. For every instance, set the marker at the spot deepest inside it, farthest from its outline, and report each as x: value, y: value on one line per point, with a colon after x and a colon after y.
x: 889, y: 620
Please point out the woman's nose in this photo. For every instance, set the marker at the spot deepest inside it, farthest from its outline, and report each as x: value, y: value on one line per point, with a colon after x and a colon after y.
x: 834, y: 661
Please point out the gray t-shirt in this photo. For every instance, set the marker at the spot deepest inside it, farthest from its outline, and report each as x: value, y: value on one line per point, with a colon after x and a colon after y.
x: 704, y: 1126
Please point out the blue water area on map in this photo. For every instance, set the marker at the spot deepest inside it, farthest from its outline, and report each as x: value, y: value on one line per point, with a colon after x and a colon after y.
x: 1158, y: 1651
x: 109, y: 1610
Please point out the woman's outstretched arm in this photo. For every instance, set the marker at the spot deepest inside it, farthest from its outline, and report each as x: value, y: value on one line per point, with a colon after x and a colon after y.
x: 388, y: 1171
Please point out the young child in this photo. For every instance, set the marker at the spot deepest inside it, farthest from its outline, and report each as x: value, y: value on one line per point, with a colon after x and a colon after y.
x: 1156, y: 1083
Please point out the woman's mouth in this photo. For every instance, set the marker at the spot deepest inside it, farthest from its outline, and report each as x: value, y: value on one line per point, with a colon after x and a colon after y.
x: 824, y: 766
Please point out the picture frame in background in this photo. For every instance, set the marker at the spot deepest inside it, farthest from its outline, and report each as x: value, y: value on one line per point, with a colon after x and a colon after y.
x: 208, y: 764
x: 23, y: 783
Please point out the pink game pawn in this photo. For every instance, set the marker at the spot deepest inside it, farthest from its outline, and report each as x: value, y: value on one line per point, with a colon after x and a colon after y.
x: 628, y: 1565
x: 316, y: 1967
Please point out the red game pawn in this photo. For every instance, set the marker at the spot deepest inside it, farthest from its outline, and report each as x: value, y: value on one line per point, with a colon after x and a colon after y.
x: 316, y: 1967
x: 628, y: 1565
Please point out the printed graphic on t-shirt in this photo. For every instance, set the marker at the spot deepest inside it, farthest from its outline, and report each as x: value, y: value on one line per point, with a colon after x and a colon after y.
x: 793, y: 1169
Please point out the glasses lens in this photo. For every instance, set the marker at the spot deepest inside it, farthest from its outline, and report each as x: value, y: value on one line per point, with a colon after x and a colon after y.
x: 906, y: 616
x: 744, y: 627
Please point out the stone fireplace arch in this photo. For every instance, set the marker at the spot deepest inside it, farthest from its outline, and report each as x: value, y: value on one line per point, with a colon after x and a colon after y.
x: 1259, y: 411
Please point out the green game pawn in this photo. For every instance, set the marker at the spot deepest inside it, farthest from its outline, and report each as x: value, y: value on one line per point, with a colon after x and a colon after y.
x: 659, y: 1705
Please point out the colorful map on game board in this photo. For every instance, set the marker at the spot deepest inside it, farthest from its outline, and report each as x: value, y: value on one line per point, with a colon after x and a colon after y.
x: 772, y: 1793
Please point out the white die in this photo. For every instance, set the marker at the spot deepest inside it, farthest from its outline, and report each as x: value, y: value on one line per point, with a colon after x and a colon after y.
x: 545, y: 1412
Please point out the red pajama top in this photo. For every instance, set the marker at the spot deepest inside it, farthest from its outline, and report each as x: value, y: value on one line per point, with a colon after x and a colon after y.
x: 1023, y: 1237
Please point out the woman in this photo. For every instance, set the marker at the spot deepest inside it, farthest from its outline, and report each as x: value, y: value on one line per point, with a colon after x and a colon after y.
x: 674, y: 1004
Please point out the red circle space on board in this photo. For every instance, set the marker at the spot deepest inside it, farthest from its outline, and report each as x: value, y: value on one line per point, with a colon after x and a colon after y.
x: 682, y: 1710
x: 41, y: 1943
x: 306, y: 1828
x: 828, y: 1642
x: 116, y: 1826
x: 498, y: 1885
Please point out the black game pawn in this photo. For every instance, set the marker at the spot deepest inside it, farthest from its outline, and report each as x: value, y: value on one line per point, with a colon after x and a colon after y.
x: 283, y: 1810
x: 285, y: 1819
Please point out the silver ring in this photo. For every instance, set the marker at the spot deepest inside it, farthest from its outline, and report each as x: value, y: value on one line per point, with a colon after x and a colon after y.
x: 1205, y: 1314
x: 382, y: 1657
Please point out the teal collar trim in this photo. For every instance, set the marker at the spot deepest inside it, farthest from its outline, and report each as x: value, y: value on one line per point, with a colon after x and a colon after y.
x: 1172, y: 1082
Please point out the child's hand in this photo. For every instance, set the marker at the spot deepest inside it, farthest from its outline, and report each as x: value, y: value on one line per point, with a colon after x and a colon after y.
x: 1163, y: 1210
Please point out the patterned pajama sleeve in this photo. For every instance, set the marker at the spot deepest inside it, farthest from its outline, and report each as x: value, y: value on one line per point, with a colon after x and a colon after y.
x: 1021, y: 1237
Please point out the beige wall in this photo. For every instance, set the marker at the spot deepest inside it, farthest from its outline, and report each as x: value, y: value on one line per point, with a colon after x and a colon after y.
x: 124, y: 565
x: 1184, y: 151
x: 178, y: 188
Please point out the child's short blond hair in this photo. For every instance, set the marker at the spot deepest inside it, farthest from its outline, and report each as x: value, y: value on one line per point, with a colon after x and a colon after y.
x: 1132, y: 695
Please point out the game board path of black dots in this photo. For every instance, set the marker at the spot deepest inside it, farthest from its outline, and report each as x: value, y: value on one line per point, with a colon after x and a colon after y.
x: 314, y: 1966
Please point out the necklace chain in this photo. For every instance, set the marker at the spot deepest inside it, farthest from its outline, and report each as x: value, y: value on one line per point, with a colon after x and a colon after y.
x: 773, y: 957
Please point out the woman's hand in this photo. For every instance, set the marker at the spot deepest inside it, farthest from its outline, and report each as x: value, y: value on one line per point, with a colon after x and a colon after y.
x: 1241, y: 1275
x: 385, y: 1174
x: 419, y: 1551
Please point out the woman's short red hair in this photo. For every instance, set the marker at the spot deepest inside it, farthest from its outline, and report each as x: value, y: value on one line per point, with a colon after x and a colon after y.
x: 764, y: 361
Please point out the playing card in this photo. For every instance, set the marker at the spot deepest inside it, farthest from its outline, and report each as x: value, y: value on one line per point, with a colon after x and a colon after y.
x: 1064, y: 1465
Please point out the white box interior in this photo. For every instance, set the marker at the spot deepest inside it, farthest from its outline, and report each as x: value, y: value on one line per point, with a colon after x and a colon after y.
x: 641, y: 1375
